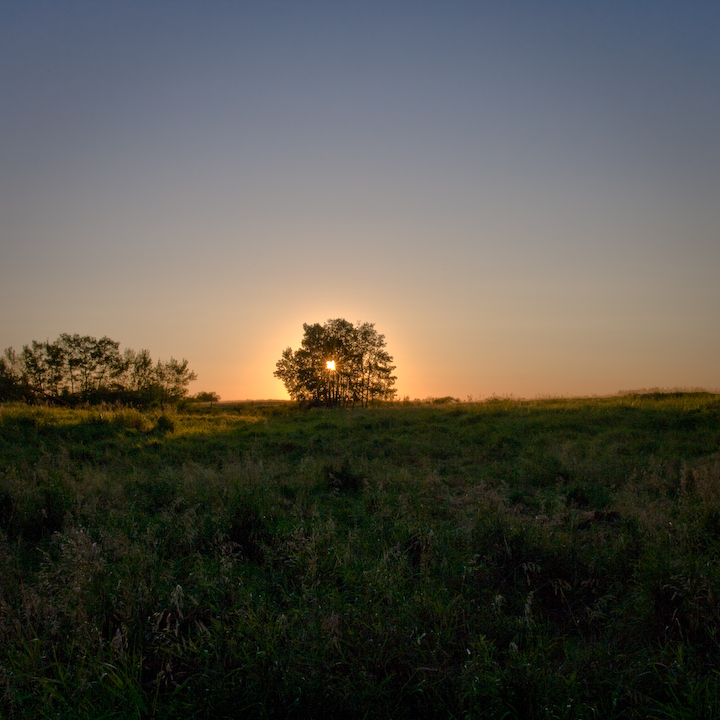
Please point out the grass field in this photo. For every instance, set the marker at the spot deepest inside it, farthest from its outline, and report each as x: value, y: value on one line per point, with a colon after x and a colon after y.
x: 505, y: 559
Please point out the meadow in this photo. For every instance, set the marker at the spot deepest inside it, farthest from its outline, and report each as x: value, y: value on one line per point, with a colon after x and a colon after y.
x: 552, y: 558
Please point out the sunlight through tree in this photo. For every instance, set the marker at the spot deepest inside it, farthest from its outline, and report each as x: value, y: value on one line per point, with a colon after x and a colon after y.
x: 338, y: 363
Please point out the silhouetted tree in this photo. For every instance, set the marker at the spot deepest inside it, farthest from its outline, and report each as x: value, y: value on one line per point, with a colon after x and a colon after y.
x: 12, y: 384
x: 172, y: 378
x: 207, y: 397
x: 83, y: 369
x: 338, y: 363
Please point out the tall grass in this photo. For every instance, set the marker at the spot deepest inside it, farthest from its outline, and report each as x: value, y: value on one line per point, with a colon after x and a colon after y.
x: 544, y: 559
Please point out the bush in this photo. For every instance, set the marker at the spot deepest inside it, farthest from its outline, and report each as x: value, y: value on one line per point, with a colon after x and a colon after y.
x: 165, y: 424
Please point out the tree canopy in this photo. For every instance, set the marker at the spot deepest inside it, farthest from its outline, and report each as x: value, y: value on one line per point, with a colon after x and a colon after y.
x: 338, y: 363
x: 82, y: 368
x: 206, y: 397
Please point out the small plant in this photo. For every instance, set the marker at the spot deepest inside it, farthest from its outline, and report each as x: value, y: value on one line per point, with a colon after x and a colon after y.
x: 341, y: 478
x: 131, y: 419
x: 165, y: 424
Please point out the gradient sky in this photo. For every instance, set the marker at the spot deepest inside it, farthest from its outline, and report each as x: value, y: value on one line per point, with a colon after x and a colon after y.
x: 524, y: 197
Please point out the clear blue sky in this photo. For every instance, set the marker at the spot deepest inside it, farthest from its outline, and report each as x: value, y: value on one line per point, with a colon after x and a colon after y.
x: 524, y: 197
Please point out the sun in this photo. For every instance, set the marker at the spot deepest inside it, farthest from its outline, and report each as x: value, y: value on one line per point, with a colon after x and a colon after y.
x: 330, y: 364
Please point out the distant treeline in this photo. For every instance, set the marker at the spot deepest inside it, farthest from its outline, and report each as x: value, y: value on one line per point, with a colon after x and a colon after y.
x: 79, y: 368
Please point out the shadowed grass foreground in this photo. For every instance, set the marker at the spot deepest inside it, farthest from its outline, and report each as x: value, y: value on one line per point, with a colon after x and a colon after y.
x: 545, y: 559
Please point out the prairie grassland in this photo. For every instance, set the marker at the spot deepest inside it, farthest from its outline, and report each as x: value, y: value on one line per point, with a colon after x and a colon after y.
x: 505, y: 559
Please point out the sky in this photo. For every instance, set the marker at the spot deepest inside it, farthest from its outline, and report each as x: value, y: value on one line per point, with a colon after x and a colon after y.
x: 522, y: 196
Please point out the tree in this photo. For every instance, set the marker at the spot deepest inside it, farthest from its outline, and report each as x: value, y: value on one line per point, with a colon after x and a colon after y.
x: 13, y: 386
x: 338, y: 363
x: 85, y: 364
x: 35, y: 369
x: 207, y: 397
x: 173, y: 378
x: 83, y: 369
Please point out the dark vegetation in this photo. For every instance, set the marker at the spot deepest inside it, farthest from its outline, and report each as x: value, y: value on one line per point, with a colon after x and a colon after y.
x: 79, y: 369
x: 338, y: 364
x: 506, y: 559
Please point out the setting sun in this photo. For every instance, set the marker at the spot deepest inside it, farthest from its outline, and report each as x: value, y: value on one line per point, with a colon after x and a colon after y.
x: 551, y: 245
x: 330, y: 364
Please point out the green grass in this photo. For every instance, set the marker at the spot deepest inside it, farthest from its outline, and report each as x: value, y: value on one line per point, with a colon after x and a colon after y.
x: 506, y: 559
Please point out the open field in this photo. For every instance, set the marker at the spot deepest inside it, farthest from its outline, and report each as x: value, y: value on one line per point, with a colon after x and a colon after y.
x: 505, y: 559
